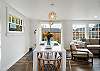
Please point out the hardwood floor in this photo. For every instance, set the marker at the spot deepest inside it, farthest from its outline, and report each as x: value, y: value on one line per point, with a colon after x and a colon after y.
x: 25, y: 64
x: 84, y: 66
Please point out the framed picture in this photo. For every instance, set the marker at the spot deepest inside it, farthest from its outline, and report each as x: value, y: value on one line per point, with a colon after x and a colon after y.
x: 15, y: 24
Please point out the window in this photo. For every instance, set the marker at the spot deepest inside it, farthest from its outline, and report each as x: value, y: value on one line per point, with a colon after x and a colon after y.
x: 94, y: 31
x: 55, y: 30
x: 78, y: 31
x: 90, y: 30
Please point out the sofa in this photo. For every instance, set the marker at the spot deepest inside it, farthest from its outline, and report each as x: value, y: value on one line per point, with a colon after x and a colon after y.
x: 94, y: 46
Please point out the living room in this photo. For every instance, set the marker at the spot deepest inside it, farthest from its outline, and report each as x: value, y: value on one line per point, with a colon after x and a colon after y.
x: 21, y: 32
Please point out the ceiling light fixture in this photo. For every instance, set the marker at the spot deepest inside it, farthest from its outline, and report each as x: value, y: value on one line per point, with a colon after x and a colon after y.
x: 52, y: 14
x: 52, y: 17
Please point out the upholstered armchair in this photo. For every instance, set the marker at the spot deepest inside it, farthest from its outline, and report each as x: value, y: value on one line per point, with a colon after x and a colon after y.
x: 80, y: 54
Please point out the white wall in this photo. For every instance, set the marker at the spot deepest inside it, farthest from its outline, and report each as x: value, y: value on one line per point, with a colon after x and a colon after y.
x: 34, y: 37
x: 13, y: 46
x: 66, y: 32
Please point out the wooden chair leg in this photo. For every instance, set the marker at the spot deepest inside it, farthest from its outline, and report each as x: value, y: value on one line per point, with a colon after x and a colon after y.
x: 69, y: 65
x: 92, y: 61
x: 27, y: 66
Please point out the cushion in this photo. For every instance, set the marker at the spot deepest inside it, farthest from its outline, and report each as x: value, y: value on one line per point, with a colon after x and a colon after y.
x: 73, y: 47
x: 84, y: 54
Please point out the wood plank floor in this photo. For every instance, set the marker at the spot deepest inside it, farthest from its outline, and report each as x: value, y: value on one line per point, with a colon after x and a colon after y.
x: 25, y: 64
x: 82, y: 66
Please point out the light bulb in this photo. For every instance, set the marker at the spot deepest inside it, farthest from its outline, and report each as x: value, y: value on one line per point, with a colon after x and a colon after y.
x: 52, y: 16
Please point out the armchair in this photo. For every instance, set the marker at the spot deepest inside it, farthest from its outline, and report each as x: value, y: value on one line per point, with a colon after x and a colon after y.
x: 80, y: 54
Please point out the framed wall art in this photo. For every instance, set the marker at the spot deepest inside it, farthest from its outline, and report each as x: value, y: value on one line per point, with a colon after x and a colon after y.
x: 15, y: 23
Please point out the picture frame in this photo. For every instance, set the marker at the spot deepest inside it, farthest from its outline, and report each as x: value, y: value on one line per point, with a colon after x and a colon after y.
x: 14, y: 24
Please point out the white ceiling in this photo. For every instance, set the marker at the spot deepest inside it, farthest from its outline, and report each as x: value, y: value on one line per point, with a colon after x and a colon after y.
x: 65, y: 9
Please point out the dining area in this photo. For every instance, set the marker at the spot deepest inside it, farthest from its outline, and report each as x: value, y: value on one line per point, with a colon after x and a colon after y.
x: 49, y: 58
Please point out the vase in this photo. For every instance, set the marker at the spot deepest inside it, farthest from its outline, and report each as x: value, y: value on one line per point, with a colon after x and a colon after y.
x: 48, y: 41
x: 48, y: 46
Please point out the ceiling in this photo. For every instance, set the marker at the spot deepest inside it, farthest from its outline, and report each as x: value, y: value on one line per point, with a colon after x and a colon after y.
x: 65, y: 9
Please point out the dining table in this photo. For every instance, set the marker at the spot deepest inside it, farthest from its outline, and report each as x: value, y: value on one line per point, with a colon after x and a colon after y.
x: 42, y: 48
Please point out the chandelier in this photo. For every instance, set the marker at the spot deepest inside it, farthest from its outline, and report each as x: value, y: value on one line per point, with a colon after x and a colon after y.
x: 52, y: 17
x: 52, y: 14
